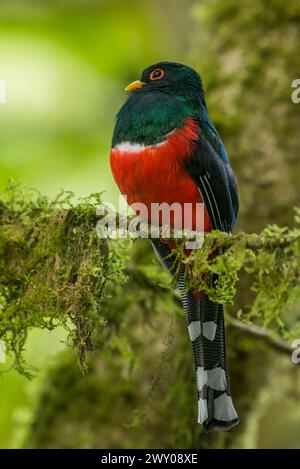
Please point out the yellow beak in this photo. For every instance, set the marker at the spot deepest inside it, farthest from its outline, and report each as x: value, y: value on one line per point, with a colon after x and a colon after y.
x: 134, y: 85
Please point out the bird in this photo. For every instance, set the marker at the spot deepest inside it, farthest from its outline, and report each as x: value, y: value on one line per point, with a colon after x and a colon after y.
x: 165, y: 149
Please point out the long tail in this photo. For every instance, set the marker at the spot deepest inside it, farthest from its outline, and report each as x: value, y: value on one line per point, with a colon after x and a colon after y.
x: 205, y: 321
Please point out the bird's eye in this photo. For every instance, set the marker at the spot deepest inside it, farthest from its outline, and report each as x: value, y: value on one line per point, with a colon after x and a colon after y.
x: 156, y: 74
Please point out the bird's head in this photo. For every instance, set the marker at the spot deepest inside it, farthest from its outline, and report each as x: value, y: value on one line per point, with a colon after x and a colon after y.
x: 166, y: 95
x: 173, y: 78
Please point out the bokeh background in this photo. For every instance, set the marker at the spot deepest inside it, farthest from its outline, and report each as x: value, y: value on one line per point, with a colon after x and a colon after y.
x: 65, y: 64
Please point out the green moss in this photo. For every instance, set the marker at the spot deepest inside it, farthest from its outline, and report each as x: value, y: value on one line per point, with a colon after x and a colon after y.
x: 271, y: 259
x: 54, y: 270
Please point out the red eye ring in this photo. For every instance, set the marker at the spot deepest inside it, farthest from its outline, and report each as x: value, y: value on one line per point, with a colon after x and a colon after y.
x: 157, y: 74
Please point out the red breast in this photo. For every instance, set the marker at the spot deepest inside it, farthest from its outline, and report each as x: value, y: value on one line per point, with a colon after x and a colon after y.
x: 156, y: 174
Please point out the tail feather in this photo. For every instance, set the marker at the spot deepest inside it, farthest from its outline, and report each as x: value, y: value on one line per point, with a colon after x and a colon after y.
x: 205, y: 320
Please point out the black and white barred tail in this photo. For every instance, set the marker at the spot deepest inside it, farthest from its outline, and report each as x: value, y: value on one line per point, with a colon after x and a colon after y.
x: 205, y: 320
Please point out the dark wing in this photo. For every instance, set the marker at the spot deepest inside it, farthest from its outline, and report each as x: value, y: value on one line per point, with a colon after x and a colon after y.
x: 210, y: 169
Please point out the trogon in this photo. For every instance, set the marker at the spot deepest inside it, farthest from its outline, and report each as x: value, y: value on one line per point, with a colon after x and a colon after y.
x: 165, y: 149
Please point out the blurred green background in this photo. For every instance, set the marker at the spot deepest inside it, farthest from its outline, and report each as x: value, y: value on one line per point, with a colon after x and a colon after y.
x: 66, y: 63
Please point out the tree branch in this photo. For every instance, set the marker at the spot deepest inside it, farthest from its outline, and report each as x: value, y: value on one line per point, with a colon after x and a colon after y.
x: 55, y: 270
x: 262, y: 334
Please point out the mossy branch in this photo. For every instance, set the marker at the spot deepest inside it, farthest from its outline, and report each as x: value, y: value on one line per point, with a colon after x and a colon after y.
x: 55, y: 270
x: 270, y: 258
